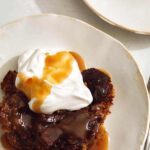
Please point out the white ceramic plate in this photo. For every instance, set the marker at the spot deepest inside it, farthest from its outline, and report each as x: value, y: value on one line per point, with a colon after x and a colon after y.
x: 133, y: 15
x: 127, y: 125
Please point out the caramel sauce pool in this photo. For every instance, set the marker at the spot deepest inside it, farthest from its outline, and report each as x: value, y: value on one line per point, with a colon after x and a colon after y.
x: 102, y: 140
x: 57, y: 68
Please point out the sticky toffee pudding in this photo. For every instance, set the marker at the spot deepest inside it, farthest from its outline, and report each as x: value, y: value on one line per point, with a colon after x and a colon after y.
x: 80, y: 129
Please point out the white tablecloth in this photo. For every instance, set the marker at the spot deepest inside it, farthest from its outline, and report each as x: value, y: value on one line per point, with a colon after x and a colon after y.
x: 139, y: 45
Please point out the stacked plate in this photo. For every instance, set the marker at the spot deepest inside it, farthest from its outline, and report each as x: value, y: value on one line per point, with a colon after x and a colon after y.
x: 133, y: 15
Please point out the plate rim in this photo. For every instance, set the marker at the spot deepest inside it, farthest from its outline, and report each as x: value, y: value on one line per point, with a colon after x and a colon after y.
x: 113, y: 22
x: 124, y: 48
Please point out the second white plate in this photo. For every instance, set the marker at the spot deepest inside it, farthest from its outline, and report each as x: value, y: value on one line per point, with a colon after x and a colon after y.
x: 133, y: 15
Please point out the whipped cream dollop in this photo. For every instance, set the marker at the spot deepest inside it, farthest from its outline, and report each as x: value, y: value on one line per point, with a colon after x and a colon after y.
x: 59, y: 86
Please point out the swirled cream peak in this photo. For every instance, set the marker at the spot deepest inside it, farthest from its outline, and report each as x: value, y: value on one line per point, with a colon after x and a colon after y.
x: 52, y: 81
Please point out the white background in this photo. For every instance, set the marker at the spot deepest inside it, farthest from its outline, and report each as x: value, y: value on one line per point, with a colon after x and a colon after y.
x: 139, y: 45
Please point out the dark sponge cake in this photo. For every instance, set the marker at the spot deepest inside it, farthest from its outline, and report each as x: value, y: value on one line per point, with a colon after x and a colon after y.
x: 62, y: 130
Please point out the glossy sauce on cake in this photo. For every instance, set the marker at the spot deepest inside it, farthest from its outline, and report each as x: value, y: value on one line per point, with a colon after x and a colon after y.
x: 101, y: 142
x: 80, y: 61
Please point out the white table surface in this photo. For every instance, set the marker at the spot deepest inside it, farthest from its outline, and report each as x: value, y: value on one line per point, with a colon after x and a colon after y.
x: 138, y: 45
